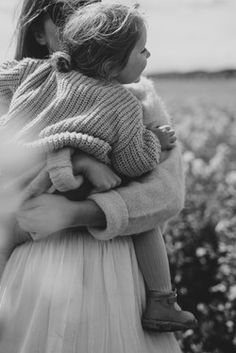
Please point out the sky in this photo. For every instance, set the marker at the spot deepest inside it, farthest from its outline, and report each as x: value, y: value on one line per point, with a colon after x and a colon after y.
x: 183, y: 35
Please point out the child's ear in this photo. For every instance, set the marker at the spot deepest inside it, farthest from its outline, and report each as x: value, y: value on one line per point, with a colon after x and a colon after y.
x: 39, y: 36
x: 110, y: 70
x: 114, y: 72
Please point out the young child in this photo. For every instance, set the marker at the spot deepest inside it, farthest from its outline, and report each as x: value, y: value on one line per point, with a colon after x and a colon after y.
x: 76, y: 99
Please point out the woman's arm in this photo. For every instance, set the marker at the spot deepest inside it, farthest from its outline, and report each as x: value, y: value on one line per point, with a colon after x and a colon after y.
x: 47, y: 214
x: 127, y: 210
x: 144, y: 203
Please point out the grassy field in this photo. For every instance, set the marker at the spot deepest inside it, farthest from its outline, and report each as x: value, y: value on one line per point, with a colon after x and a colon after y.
x: 212, y: 89
x: 201, y: 240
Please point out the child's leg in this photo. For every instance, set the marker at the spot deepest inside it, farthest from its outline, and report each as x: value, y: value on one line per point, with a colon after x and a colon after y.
x: 153, y: 261
x: 162, y: 311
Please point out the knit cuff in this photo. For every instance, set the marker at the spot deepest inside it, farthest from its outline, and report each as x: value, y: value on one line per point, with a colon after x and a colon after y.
x: 60, y: 170
x: 53, y: 141
x: 116, y: 214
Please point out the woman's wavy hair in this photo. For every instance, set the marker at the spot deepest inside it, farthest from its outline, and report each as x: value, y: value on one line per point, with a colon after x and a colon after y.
x: 100, y: 37
x: 32, y: 17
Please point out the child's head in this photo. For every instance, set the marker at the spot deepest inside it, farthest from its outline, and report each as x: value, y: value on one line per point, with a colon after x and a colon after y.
x: 106, y: 41
x: 37, y: 29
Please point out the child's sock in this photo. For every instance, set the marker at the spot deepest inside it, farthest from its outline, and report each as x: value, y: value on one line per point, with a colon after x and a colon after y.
x: 153, y: 261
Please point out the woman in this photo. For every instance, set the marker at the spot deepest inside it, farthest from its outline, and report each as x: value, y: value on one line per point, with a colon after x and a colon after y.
x: 73, y: 292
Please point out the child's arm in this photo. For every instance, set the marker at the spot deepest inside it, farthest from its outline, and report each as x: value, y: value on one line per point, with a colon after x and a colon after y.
x: 61, y: 171
x: 101, y: 176
x: 137, y: 149
x: 154, y: 117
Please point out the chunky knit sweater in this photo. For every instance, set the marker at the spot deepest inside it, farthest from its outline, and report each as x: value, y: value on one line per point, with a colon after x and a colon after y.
x: 50, y: 110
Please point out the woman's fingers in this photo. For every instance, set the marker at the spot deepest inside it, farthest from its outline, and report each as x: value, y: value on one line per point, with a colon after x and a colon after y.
x: 24, y: 220
x: 29, y: 204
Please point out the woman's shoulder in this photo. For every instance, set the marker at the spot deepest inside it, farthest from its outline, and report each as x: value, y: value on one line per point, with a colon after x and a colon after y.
x: 154, y: 108
x: 143, y: 88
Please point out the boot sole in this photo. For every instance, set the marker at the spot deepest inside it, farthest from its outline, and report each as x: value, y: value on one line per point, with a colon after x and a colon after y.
x: 167, y: 326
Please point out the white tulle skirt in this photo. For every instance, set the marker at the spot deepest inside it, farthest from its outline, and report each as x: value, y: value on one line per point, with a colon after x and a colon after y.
x: 73, y: 294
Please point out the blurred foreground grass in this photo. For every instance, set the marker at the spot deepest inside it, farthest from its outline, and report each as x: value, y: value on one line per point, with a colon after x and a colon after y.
x: 201, y: 241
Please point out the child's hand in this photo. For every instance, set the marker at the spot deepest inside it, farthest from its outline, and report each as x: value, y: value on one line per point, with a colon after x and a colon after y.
x: 100, y: 175
x: 166, y: 136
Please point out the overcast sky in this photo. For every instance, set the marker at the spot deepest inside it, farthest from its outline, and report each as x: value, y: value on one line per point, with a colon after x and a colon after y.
x: 183, y: 35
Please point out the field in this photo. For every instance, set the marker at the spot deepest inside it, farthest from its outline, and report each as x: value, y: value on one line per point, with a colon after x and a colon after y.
x: 201, y: 241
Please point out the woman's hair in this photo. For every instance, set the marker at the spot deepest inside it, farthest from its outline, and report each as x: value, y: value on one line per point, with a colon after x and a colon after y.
x: 32, y: 18
x: 100, y: 37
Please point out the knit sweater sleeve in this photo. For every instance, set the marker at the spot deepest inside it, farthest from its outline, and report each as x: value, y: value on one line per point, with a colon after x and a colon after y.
x: 60, y: 169
x: 11, y: 75
x: 137, y: 150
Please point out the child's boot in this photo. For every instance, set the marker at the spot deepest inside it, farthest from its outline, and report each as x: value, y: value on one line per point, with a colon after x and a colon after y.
x: 164, y: 315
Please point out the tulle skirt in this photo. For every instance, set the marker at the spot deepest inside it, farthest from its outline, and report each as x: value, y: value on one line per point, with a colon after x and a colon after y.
x: 72, y: 294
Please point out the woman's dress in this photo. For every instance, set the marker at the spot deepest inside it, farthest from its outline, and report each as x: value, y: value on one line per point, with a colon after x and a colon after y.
x: 70, y: 293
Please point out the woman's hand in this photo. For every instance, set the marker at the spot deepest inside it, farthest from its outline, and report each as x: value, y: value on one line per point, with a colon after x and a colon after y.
x: 101, y: 176
x: 47, y: 214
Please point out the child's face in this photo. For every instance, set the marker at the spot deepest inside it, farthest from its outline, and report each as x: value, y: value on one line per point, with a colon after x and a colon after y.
x: 137, y: 61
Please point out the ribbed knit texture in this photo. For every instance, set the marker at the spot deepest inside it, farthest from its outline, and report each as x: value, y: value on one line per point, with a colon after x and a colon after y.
x: 50, y: 110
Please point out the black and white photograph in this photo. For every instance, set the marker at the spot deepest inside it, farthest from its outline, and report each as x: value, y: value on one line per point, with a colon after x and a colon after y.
x: 117, y: 176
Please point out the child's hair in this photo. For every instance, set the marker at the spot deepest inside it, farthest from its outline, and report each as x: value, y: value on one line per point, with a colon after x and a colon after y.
x: 32, y: 17
x: 100, y: 37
